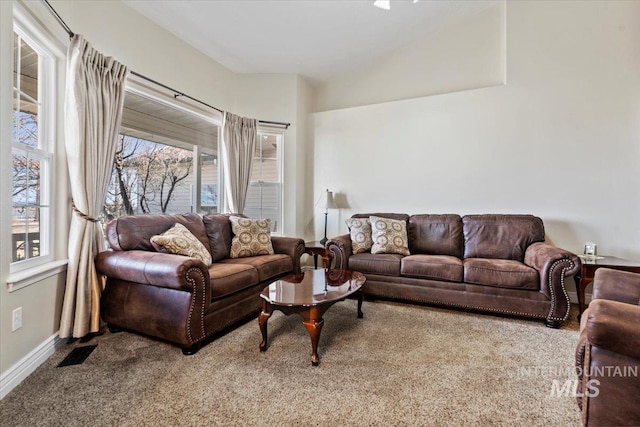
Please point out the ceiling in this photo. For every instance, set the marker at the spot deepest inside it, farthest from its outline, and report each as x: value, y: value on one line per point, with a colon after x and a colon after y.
x: 318, y: 39
x: 151, y: 120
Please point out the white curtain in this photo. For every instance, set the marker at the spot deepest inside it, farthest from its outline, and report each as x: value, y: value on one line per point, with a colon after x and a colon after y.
x: 239, y: 138
x: 93, y: 112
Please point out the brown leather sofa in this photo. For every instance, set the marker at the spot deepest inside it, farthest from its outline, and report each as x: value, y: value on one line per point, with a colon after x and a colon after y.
x: 608, y: 351
x: 495, y: 263
x: 177, y: 298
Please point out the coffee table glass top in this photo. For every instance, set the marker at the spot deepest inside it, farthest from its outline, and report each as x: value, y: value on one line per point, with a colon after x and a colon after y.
x: 313, y: 287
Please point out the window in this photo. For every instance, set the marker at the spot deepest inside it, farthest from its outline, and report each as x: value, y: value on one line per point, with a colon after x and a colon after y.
x: 209, y: 193
x: 149, y: 177
x: 154, y: 168
x: 167, y: 162
x: 32, y: 145
x: 264, y: 198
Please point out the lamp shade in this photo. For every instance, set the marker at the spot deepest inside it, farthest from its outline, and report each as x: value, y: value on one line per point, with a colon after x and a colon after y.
x: 327, y: 202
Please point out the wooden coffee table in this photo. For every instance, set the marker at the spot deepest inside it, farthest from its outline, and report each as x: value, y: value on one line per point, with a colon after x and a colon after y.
x: 310, y: 295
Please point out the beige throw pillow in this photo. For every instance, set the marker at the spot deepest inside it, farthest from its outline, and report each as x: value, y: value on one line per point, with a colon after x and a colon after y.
x: 180, y: 241
x: 389, y: 236
x: 251, y: 237
x: 360, y: 231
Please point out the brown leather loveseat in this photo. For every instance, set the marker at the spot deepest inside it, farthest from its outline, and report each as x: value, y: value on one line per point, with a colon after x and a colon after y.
x: 495, y: 263
x: 608, y: 351
x: 177, y: 298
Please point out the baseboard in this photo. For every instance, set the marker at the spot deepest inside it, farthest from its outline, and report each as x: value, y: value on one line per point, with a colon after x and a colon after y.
x: 24, y: 367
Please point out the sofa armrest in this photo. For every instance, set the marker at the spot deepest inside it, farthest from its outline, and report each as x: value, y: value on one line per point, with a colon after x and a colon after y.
x: 339, y: 250
x: 154, y: 268
x: 613, y: 326
x: 553, y: 265
x: 170, y: 293
x: 616, y: 285
x: 292, y: 246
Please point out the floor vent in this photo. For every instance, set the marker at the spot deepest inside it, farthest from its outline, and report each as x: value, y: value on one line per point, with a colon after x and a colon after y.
x: 77, y: 355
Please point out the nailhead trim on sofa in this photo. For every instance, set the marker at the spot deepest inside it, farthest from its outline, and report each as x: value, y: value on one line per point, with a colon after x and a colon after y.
x: 564, y: 291
x: 193, y: 304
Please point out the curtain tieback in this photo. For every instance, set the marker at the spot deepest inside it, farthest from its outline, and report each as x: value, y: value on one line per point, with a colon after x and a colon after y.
x: 82, y: 214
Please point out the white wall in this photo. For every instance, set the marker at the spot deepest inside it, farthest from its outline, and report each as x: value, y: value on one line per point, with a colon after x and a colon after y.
x: 304, y: 199
x: 463, y: 54
x: 282, y: 97
x: 41, y: 302
x: 117, y: 30
x: 6, y: 37
x: 560, y: 140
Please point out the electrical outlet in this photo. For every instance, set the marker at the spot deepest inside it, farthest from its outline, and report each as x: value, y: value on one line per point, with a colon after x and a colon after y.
x: 16, y: 317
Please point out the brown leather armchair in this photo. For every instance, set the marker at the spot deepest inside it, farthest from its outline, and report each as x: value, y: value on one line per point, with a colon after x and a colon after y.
x: 608, y: 352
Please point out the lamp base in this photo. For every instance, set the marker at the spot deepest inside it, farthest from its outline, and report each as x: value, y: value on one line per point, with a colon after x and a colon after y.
x: 324, y: 240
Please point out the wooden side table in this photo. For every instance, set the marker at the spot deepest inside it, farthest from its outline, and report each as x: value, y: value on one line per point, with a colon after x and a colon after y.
x: 316, y: 249
x: 588, y: 270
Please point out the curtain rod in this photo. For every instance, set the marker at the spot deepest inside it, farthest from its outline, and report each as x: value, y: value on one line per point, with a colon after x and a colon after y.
x: 176, y: 93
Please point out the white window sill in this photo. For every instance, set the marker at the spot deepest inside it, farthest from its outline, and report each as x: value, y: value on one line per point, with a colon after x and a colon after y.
x: 22, y: 279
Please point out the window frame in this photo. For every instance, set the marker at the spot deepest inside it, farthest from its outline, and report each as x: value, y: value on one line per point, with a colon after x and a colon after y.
x: 199, y: 152
x: 48, y: 55
x: 279, y: 134
x: 138, y: 88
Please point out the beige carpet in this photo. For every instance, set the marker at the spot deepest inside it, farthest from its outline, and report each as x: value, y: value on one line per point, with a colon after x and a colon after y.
x: 400, y: 365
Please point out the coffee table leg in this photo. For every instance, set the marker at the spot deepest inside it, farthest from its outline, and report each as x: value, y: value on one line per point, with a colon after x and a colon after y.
x: 360, y: 297
x: 314, y: 327
x: 262, y: 321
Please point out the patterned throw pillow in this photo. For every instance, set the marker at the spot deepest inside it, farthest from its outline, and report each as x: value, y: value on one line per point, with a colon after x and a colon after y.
x: 389, y: 236
x: 251, y: 237
x: 179, y: 240
x: 360, y: 230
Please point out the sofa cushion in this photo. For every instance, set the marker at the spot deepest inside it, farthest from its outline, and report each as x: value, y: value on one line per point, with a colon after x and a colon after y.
x: 500, y: 273
x: 438, y: 267
x: 251, y: 237
x: 385, y: 264
x: 360, y: 232
x: 229, y: 278
x: 500, y: 236
x: 179, y: 241
x: 268, y: 266
x: 218, y: 229
x: 135, y: 231
x: 436, y: 235
x: 389, y: 236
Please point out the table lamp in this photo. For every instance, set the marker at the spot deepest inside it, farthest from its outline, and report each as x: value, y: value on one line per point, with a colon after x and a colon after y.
x: 326, y: 203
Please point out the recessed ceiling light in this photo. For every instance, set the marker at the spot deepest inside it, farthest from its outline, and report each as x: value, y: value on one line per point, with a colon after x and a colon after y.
x: 385, y: 4
x: 382, y: 4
